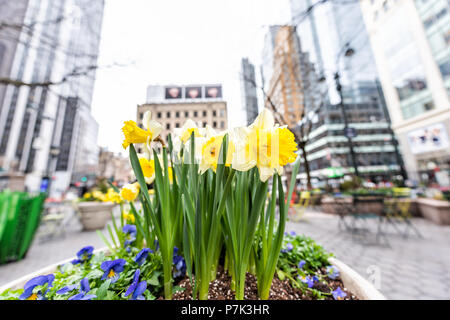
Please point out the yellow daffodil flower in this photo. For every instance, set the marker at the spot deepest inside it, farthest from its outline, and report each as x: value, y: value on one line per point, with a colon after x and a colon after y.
x: 211, y: 152
x: 129, y: 217
x: 264, y: 145
x: 130, y: 192
x: 134, y: 134
x: 148, y: 169
x: 186, y: 130
x: 113, y: 196
x: 87, y: 195
x: 98, y: 195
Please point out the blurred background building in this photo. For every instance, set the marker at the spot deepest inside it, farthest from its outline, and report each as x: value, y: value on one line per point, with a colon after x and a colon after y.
x: 336, y: 61
x: 48, y: 58
x: 172, y: 105
x: 248, y: 90
x: 114, y: 167
x: 411, y: 44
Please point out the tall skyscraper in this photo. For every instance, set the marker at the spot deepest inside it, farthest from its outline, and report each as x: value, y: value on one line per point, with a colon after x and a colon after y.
x: 334, y: 36
x: 44, y: 127
x: 248, y: 90
x: 282, y: 74
x: 411, y: 43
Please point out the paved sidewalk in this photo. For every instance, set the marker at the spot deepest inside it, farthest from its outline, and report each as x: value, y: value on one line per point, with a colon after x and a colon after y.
x: 44, y: 252
x: 412, y: 268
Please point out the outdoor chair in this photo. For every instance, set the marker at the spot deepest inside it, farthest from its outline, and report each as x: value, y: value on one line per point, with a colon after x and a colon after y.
x: 300, y: 207
x: 54, y: 220
x: 361, y: 222
x: 343, y: 208
x: 398, y: 210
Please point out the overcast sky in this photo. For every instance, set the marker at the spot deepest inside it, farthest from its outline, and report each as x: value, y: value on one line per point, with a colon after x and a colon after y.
x: 176, y: 42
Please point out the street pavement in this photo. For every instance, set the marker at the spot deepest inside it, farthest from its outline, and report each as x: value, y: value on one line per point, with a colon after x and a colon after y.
x: 409, y: 268
x: 401, y: 268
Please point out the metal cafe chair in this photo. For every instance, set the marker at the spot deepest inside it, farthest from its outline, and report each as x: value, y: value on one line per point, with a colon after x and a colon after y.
x: 397, y: 210
x: 361, y: 221
x: 301, y: 206
x: 343, y: 208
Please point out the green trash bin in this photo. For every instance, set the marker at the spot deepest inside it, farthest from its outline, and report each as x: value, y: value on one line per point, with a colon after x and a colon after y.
x: 19, y: 218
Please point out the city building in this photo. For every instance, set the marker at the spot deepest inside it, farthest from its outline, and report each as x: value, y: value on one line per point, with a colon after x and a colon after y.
x: 411, y: 45
x: 333, y: 36
x: 248, y: 90
x: 172, y: 105
x: 114, y: 167
x: 281, y: 74
x: 46, y: 130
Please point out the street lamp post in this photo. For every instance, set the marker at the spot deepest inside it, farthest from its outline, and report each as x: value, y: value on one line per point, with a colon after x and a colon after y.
x: 344, y: 114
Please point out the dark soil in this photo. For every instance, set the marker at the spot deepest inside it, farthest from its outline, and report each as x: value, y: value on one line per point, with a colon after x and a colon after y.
x: 281, y: 290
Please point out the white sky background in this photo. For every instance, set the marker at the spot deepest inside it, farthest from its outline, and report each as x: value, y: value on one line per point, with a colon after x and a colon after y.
x: 176, y: 42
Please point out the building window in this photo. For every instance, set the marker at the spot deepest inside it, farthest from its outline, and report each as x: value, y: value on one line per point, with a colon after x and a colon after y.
x: 168, y: 114
x: 222, y: 124
x: 214, y: 113
x: 158, y: 115
x: 167, y: 125
x: 177, y: 125
x: 204, y: 123
x: 222, y: 113
x: 214, y: 124
x: 186, y: 114
x: 177, y: 114
x: 141, y: 115
x: 204, y: 113
x: 195, y: 113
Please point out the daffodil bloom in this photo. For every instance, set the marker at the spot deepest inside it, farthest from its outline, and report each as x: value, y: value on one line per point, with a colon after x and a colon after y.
x: 264, y: 145
x: 186, y: 130
x: 113, y: 196
x: 130, y: 192
x: 129, y: 217
x: 134, y: 134
x: 98, y: 195
x: 148, y: 169
x: 211, y: 152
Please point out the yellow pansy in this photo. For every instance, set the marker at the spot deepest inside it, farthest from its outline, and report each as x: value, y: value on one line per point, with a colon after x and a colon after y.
x: 134, y: 134
x: 87, y: 195
x: 264, y: 145
x: 98, y: 195
x: 130, y: 192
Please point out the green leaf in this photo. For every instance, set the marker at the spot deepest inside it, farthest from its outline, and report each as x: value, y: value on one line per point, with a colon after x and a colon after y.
x: 154, y: 281
x: 102, y: 291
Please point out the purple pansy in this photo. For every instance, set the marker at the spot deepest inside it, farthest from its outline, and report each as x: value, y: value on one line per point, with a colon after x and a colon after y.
x: 84, y: 289
x: 84, y: 255
x: 309, y: 280
x: 112, y: 269
x: 289, y: 247
x: 180, y: 264
x: 136, y: 289
x: 29, y: 287
x: 332, y: 272
x: 142, y: 255
x: 301, y: 264
x: 130, y: 233
x: 338, y: 294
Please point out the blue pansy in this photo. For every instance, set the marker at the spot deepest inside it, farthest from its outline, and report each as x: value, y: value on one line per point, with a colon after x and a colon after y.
x: 29, y: 287
x: 84, y: 289
x: 309, y: 280
x: 112, y: 269
x: 338, y: 294
x: 130, y: 233
x: 136, y: 289
x: 292, y: 233
x: 67, y: 289
x: 142, y: 255
x: 332, y: 272
x: 289, y: 247
x: 180, y: 264
x: 301, y: 264
x: 84, y: 255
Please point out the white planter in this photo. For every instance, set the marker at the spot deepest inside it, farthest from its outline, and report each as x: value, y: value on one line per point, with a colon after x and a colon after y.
x: 94, y: 215
x: 363, y: 289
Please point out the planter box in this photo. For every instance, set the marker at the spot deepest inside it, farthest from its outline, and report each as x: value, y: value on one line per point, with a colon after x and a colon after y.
x: 437, y: 211
x: 367, y: 204
x: 363, y: 289
x: 94, y: 215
